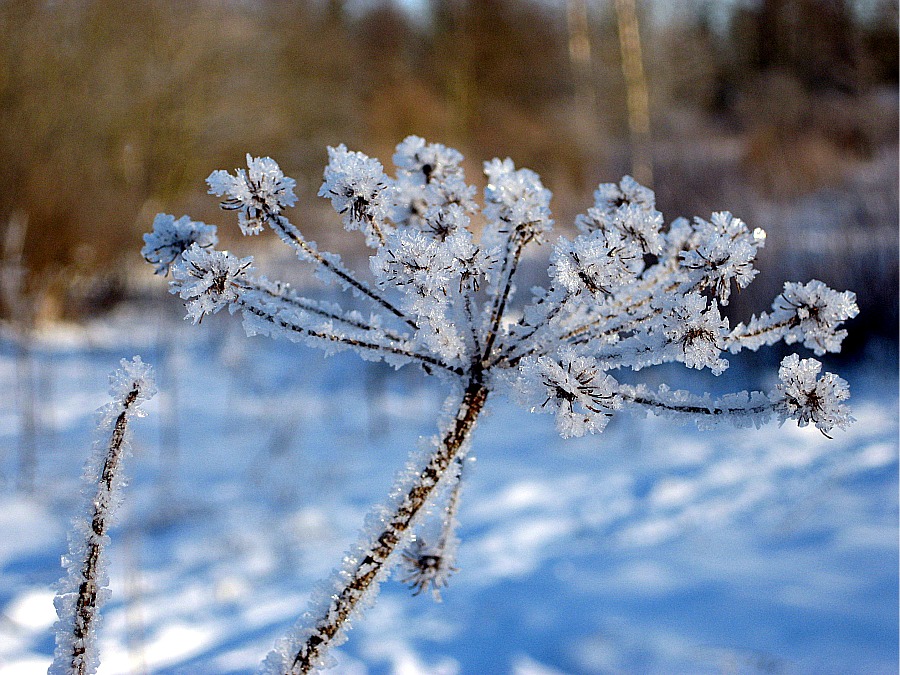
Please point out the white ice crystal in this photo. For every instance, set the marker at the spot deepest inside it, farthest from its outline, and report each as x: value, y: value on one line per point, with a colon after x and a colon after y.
x: 516, y: 199
x: 207, y: 280
x: 698, y: 332
x: 442, y: 221
x: 597, y: 263
x: 359, y: 191
x: 819, y: 311
x: 427, y: 162
x: 609, y: 198
x: 723, y: 251
x: 571, y: 386
x: 170, y: 238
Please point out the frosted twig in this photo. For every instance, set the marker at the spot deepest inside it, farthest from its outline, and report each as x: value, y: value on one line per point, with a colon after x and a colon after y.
x: 357, y: 582
x: 84, y: 589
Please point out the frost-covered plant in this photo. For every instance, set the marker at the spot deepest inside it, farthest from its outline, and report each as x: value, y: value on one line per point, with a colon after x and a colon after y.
x: 628, y: 292
x: 84, y: 587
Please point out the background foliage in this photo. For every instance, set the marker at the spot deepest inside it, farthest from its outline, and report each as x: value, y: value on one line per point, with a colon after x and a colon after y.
x: 783, y: 110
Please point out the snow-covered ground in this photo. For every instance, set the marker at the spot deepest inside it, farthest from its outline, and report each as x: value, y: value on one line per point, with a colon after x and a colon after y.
x: 648, y: 549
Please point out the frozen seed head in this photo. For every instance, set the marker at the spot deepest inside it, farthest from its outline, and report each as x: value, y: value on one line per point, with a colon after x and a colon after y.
x: 415, y: 261
x: 425, y: 566
x: 571, y: 386
x: 429, y: 175
x: 609, y: 197
x: 819, y: 311
x: 807, y: 398
x: 132, y: 379
x: 442, y: 221
x: 698, y: 331
x: 208, y: 280
x: 723, y: 252
x: 359, y: 191
x: 258, y: 193
x: 170, y: 238
x: 627, y: 212
x: 518, y: 199
x: 427, y: 162
x: 629, y: 292
x: 596, y: 263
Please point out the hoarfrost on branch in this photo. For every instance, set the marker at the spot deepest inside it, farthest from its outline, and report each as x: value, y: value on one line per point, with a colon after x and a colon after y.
x: 629, y: 291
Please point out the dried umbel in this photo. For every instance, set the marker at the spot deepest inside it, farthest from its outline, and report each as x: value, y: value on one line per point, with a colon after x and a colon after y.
x: 629, y: 291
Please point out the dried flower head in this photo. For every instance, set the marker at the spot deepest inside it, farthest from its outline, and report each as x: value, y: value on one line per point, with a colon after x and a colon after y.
x: 259, y: 190
x: 425, y: 566
x: 807, y: 398
x: 170, y: 238
x: 208, y: 280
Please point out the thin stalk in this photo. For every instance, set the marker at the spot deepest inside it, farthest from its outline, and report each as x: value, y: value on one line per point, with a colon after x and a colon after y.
x: 291, y: 236
x: 287, y: 296
x: 78, y: 661
x: 509, y: 352
x: 425, y: 360
x: 733, y: 339
x: 510, y: 264
x: 374, y: 562
x: 692, y: 409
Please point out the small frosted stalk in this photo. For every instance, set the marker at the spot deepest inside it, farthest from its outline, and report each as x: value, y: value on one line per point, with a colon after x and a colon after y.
x: 84, y: 588
x: 356, y: 584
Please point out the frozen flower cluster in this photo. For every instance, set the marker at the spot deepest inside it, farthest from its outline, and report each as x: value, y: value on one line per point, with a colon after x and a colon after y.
x: 628, y: 291
x: 256, y: 193
x: 170, y: 238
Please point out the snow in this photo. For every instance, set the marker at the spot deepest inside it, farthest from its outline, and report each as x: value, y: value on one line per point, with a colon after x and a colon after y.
x: 651, y: 548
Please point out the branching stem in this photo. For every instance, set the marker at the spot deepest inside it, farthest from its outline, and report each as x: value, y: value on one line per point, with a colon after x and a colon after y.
x: 290, y: 235
x: 311, y: 307
x: 374, y: 562
x: 514, y: 252
x: 425, y: 359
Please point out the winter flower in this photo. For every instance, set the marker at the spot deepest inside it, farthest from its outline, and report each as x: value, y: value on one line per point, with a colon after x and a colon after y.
x: 257, y: 193
x: 723, y: 251
x: 207, y: 280
x: 359, y: 191
x: 425, y: 566
x: 819, y: 311
x: 170, y: 238
x: 804, y: 397
x: 572, y: 387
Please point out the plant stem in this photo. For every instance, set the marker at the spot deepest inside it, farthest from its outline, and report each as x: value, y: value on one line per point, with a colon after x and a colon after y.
x: 86, y: 605
x: 374, y: 562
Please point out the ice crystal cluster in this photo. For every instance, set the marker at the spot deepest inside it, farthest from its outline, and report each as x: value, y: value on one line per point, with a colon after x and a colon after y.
x: 628, y: 291
x: 84, y: 589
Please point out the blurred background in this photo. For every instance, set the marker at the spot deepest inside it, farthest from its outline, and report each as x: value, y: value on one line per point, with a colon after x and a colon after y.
x: 781, y: 111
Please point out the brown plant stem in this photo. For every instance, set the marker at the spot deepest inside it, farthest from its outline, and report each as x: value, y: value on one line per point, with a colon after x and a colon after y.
x: 86, y: 605
x: 374, y: 561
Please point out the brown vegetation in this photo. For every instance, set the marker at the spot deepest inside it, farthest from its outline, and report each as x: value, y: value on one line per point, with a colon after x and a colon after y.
x: 109, y: 110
